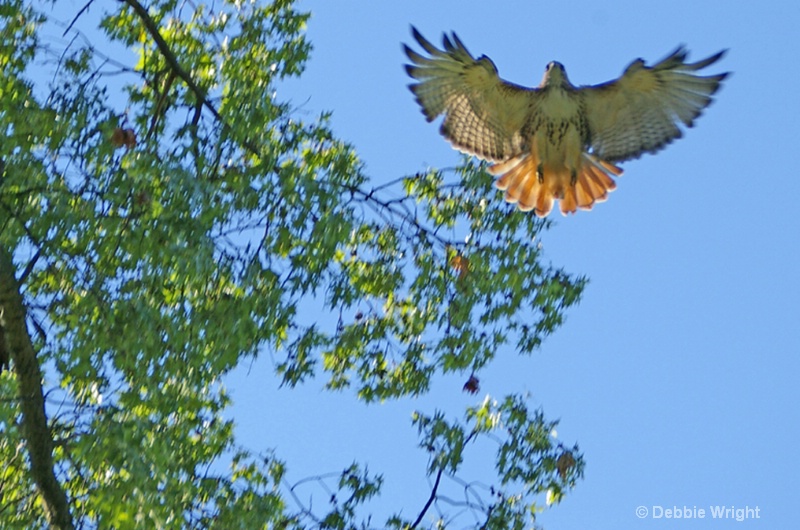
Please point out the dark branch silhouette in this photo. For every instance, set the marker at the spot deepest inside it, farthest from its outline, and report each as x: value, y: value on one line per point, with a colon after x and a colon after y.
x: 432, y: 498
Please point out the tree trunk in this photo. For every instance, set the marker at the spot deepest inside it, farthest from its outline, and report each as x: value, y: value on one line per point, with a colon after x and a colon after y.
x: 16, y: 343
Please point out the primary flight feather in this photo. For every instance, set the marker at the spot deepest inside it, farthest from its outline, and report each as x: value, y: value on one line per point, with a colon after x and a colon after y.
x: 557, y: 141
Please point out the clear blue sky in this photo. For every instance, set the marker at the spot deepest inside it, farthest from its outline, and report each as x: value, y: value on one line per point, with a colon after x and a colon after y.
x: 678, y: 372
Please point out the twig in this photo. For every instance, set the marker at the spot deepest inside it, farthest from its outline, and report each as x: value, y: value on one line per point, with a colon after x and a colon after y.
x: 29, y: 266
x: 430, y: 499
x: 82, y: 11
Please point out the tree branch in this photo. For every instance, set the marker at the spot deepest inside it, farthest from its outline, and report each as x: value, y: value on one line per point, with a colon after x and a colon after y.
x: 75, y: 19
x: 430, y: 499
x: 16, y: 342
x: 172, y: 60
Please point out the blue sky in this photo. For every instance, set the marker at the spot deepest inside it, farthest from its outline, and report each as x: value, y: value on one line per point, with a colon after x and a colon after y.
x: 677, y: 373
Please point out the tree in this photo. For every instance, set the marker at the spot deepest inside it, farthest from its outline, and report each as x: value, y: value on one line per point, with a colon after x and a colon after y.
x: 163, y: 219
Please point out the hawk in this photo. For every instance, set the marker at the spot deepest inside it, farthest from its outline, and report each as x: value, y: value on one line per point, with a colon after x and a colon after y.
x: 557, y: 141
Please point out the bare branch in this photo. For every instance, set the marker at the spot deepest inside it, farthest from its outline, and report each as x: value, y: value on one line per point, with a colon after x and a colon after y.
x: 430, y: 499
x: 82, y: 11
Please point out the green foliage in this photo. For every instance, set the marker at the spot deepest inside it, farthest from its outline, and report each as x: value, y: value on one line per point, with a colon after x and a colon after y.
x: 178, y: 218
x: 530, y: 462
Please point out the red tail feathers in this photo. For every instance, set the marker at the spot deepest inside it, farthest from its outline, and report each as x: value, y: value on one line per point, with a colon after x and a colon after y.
x: 519, y: 179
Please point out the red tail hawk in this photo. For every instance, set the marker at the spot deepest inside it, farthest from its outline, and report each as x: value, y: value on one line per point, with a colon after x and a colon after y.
x: 557, y: 141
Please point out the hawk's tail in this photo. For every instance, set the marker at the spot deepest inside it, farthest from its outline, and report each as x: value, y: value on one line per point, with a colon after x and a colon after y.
x: 522, y: 185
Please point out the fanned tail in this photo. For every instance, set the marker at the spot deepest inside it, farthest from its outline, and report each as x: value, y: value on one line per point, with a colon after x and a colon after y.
x: 523, y: 187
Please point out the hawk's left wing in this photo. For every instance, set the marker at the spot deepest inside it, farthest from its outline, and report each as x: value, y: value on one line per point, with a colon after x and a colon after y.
x: 483, y: 115
x: 638, y: 113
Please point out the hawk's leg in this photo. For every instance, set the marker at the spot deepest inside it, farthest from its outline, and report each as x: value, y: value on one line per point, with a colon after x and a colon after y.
x: 573, y: 177
x: 540, y: 173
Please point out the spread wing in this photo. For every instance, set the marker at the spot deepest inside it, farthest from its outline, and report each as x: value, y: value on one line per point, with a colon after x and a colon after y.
x: 638, y: 113
x: 483, y: 115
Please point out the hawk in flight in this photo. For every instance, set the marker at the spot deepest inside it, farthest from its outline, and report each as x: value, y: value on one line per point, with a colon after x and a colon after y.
x: 557, y: 141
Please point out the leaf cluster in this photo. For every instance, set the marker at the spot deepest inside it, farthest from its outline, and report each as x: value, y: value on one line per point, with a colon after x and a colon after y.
x: 172, y: 215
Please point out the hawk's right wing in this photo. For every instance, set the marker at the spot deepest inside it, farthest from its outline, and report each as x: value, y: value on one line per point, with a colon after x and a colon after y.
x: 483, y: 115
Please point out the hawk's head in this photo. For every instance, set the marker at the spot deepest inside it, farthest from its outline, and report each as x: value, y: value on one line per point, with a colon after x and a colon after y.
x: 555, y: 75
